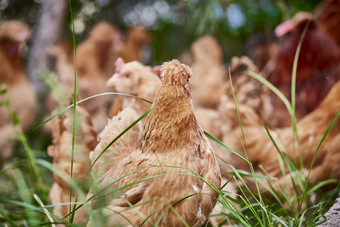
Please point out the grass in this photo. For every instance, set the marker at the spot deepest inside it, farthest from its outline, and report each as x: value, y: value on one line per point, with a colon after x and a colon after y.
x: 26, y: 182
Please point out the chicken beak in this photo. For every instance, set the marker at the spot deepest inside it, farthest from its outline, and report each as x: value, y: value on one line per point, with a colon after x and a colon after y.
x: 112, y: 81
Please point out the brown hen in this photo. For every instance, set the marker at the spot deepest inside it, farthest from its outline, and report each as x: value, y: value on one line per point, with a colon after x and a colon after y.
x: 61, y: 151
x: 171, y: 137
x: 317, y: 69
x: 95, y: 58
x: 328, y: 18
x: 135, y: 79
x: 137, y: 40
x: 20, y: 93
x: 208, y: 83
x: 254, y: 106
x: 142, y: 81
x: 262, y: 151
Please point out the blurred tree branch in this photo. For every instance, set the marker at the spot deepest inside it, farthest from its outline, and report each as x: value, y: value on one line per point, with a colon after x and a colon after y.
x: 47, y: 32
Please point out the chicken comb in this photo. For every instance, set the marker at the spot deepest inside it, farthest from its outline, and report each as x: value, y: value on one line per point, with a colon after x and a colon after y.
x: 174, y: 72
x: 291, y: 24
x: 119, y: 64
x: 284, y: 28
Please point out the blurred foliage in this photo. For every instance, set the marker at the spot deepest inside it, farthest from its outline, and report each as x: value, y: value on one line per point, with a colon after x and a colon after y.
x: 174, y: 24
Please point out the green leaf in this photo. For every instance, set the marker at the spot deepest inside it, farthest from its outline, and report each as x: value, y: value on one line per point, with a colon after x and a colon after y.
x: 3, y: 89
x: 5, y: 216
x: 15, y: 119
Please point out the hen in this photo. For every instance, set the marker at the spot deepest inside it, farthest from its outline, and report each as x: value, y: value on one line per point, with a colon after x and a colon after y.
x: 208, y: 83
x: 137, y: 40
x: 64, y: 73
x: 170, y: 137
x: 135, y: 79
x: 317, y: 70
x: 61, y: 151
x: 142, y: 81
x: 97, y: 54
x: 328, y: 18
x: 20, y: 93
x: 254, y: 106
x: 261, y: 48
x: 262, y: 151
x: 95, y: 58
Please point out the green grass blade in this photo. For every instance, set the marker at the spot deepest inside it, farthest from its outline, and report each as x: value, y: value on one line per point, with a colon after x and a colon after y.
x: 49, y: 216
x: 115, y: 139
x: 224, y: 146
x: 287, y: 164
x: 245, y: 142
x: 83, y: 100
x: 71, y: 182
x: 293, y: 89
x: 74, y: 101
x: 321, y: 184
x: 25, y: 195
x: 313, y: 160
x: 272, y: 88
x: 5, y: 216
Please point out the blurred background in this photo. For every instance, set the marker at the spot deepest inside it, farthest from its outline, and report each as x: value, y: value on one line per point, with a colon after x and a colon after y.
x: 173, y: 25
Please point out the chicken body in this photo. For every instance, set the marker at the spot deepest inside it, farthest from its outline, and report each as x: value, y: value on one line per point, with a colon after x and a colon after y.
x: 20, y: 92
x: 95, y: 58
x: 170, y: 137
x: 328, y: 18
x: 61, y: 151
x: 208, y: 83
x: 262, y: 151
x: 253, y: 105
x: 311, y: 130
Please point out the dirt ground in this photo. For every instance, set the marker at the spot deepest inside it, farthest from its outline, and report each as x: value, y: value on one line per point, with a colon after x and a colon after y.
x: 333, y: 215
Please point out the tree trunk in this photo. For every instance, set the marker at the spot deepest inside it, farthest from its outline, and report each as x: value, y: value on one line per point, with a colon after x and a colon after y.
x: 47, y: 32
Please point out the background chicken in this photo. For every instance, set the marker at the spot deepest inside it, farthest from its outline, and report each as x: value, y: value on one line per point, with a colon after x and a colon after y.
x: 135, y: 79
x: 61, y: 151
x: 328, y: 18
x: 95, y: 60
x: 262, y: 151
x: 136, y: 42
x: 254, y: 106
x: 261, y: 49
x: 208, y: 83
x: 20, y: 93
x: 175, y: 140
x: 97, y: 54
x: 317, y: 70
x: 95, y: 63
x: 64, y: 76
x: 142, y: 81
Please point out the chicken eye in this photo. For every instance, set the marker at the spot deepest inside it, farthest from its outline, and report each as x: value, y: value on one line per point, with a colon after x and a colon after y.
x: 128, y: 75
